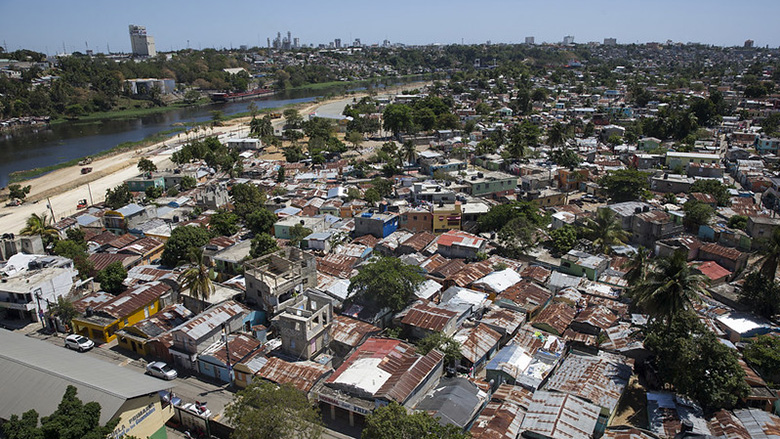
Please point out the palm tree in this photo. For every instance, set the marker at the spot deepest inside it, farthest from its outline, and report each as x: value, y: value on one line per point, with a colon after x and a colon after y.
x: 672, y: 287
x: 409, y: 151
x: 557, y: 135
x: 771, y: 256
x: 196, y: 279
x: 41, y: 225
x: 638, y: 267
x: 605, y: 231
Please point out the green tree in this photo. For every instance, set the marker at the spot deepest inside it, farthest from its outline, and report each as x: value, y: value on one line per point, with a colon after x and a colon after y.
x: 625, y: 185
x: 761, y: 293
x: 557, y: 135
x: 386, y: 282
x: 298, y: 233
x: 145, y: 165
x: 264, y: 410
x: 696, y: 363
x: 72, y: 419
x: 398, y: 118
x: 64, y: 310
x: 280, y: 175
x: 17, y: 191
x: 223, y: 223
x: 563, y: 239
x: 260, y: 221
x: 409, y: 151
x: 187, y: 183
x: 517, y: 237
x: 111, y: 278
x: 394, y: 422
x: 442, y: 342
x: 355, y: 138
x: 770, y: 248
x: 371, y: 196
x: 183, y: 238
x: 670, y: 288
x: 77, y: 252
x: 261, y: 127
x: 118, y: 196
x: 40, y: 225
x: 713, y: 187
x: 500, y: 215
x: 262, y: 244
x: 247, y: 198
x: 638, y: 266
x: 292, y: 118
x: 738, y: 222
x: 605, y: 230
x: 196, y: 278
x: 383, y: 186
x: 153, y: 192
x: 696, y: 214
x: 216, y: 118
x: 763, y: 353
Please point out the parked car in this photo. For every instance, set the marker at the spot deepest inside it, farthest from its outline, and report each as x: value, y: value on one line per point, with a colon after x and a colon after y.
x: 198, y: 408
x: 82, y: 203
x: 78, y: 342
x: 161, y: 370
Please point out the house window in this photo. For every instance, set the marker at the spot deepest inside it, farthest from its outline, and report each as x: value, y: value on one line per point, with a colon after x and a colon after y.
x: 146, y: 312
x: 127, y: 322
x: 414, y: 217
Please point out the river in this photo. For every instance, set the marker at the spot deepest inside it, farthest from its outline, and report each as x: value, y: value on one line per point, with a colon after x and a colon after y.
x: 62, y: 142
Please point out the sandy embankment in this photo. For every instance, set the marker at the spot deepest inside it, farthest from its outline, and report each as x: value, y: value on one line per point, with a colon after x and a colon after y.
x: 65, y: 187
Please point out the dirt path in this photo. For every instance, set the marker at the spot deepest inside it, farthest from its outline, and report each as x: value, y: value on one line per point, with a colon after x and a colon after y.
x: 65, y: 187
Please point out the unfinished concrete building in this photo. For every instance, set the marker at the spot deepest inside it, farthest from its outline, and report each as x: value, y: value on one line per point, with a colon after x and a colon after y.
x: 277, y: 277
x: 304, y: 325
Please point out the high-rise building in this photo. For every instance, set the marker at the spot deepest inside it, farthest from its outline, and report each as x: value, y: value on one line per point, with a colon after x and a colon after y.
x: 568, y: 39
x: 357, y: 43
x: 610, y: 41
x: 337, y: 42
x: 296, y: 43
x: 530, y: 41
x: 141, y: 43
x: 386, y: 43
x: 748, y: 43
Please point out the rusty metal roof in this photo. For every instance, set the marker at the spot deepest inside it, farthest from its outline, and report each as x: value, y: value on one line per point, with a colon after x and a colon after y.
x: 719, y: 250
x: 470, y: 273
x: 622, y: 432
x: 599, y: 379
x: 337, y: 265
x: 475, y: 343
x: 503, y: 320
x: 526, y: 295
x: 556, y: 318
x: 598, y: 316
x: 560, y: 415
x: 240, y: 347
x: 103, y: 260
x: 433, y: 262
x: 502, y: 416
x: 537, y: 273
x: 133, y: 299
x: 725, y: 425
x: 301, y: 374
x: 428, y: 316
x: 122, y: 241
x: 419, y: 241
x: 448, y: 268
x: 349, y: 331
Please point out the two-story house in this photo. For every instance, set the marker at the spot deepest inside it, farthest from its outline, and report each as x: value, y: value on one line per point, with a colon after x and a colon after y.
x: 304, y: 326
x: 274, y: 278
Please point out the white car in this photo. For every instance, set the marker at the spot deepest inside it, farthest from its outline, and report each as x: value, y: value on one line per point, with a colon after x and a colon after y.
x: 161, y: 370
x: 78, y: 342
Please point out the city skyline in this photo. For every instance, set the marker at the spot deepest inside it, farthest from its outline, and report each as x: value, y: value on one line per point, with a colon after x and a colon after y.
x: 52, y: 25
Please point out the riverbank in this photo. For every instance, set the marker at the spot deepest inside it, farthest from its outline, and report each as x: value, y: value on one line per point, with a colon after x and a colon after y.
x: 65, y: 186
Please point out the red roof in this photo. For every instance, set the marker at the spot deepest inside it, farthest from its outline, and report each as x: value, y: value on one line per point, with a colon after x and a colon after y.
x: 712, y: 270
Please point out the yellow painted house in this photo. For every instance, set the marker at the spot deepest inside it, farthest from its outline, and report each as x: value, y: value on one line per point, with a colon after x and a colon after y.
x: 101, y: 322
x: 446, y: 217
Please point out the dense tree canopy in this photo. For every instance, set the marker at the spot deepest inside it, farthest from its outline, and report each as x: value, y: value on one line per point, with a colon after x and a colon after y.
x: 386, y: 282
x: 264, y: 410
x: 625, y: 185
x: 394, y: 422
x: 179, y: 245
x: 111, y: 277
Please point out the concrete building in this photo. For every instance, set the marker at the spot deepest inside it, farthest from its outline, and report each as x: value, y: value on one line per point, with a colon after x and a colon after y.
x: 283, y: 226
x: 379, y: 225
x: 36, y: 374
x: 11, y: 244
x: 304, y: 326
x: 141, y: 43
x: 483, y: 184
x: 273, y: 279
x: 530, y: 41
x: 31, y: 282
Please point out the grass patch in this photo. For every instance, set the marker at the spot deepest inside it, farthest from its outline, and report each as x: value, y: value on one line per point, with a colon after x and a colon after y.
x: 349, y: 84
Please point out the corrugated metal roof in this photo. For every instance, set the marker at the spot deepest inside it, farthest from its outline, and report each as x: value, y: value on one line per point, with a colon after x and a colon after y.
x: 475, y: 343
x: 212, y: 318
x: 428, y: 316
x: 498, y: 281
x: 525, y: 295
x: 555, y: 317
x: 598, y: 316
x: 419, y: 241
x: 560, y: 416
x: 37, y: 373
x: 503, y: 320
x: 349, y: 331
x: 133, y: 299
x: 758, y: 422
x: 301, y: 374
x: 503, y: 415
x: 455, y: 401
x: 725, y: 425
x: 599, y: 379
x: 339, y: 265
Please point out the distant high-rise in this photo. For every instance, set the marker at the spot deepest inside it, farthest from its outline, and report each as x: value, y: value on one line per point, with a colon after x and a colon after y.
x: 357, y: 43
x: 530, y: 41
x: 142, y: 44
x: 386, y: 43
x: 296, y: 43
x: 337, y: 42
x: 610, y: 41
x: 568, y: 39
x: 748, y: 43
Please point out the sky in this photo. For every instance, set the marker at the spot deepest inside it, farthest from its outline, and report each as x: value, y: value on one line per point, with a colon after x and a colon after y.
x: 48, y: 25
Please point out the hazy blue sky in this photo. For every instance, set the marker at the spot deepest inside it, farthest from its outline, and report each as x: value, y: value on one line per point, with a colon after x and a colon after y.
x: 45, y: 25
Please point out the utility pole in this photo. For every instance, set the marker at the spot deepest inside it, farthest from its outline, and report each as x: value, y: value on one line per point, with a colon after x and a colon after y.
x: 51, y: 209
x: 91, y: 203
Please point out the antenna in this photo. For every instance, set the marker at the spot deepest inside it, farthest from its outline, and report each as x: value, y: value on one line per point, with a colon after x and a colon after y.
x: 64, y: 50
